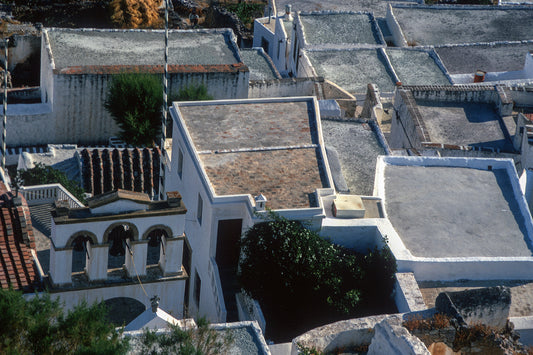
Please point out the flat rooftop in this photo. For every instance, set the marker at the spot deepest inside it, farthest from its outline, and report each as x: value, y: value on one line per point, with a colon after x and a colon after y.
x: 352, y: 70
x: 339, y: 28
x: 71, y: 47
x: 268, y: 147
x: 259, y: 64
x: 493, y: 57
x: 455, y: 212
x: 464, y: 123
x: 378, y: 7
x: 358, y: 148
x: 445, y: 25
x: 415, y: 67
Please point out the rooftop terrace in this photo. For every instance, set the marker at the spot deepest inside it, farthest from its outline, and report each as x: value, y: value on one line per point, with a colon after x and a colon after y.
x: 357, y: 147
x: 73, y: 47
x: 435, y: 25
x: 415, y: 67
x: 340, y: 28
x: 455, y: 212
x: 259, y: 64
x: 270, y: 147
x: 353, y: 69
x: 463, y: 123
x: 489, y: 57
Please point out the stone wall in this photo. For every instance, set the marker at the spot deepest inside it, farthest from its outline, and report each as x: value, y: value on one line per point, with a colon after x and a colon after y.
x: 219, y: 17
x: 407, y: 127
x: 284, y: 87
x: 392, y: 338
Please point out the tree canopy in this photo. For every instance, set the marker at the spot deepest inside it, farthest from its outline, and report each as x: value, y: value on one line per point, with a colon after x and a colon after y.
x: 291, y: 270
x: 42, y: 174
x: 135, y: 102
x: 40, y: 326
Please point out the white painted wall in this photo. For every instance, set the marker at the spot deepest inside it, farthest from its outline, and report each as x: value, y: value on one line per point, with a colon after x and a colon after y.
x: 168, y: 291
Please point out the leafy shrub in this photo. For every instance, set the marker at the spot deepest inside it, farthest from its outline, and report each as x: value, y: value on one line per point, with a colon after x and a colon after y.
x: 287, y: 266
x: 40, y: 326
x: 202, y: 340
x: 245, y: 11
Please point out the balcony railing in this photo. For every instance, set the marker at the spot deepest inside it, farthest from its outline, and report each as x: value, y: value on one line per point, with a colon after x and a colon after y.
x: 44, y: 194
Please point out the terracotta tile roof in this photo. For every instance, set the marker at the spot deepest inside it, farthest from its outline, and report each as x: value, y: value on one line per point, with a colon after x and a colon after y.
x: 17, y: 267
x: 132, y: 169
x: 154, y: 69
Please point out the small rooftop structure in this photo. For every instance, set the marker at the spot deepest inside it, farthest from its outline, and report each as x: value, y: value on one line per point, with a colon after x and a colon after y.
x: 86, y: 48
x: 437, y: 25
x: 18, y: 268
x: 268, y: 146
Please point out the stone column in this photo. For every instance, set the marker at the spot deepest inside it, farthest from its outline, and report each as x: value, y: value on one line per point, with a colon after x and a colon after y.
x: 97, y: 263
x: 60, y: 265
x: 138, y: 261
x: 171, y: 262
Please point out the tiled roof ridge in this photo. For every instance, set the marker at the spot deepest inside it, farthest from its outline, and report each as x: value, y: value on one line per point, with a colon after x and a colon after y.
x: 17, y: 266
x: 132, y: 169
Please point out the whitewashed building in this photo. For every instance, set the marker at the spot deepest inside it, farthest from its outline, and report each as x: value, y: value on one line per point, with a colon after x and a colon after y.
x: 232, y: 159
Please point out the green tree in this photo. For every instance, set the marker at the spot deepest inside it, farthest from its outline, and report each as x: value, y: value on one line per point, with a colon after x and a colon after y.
x: 42, y: 174
x: 135, y: 101
x: 200, y: 341
x: 40, y: 326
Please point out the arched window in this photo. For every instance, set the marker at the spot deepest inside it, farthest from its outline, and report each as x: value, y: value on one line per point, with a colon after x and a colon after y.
x: 155, y: 246
x: 80, y: 252
x: 119, y: 241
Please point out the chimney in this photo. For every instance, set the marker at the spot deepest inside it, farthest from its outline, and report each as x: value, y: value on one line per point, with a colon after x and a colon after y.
x: 260, y: 202
x: 288, y: 15
x: 479, y: 76
x: 173, y: 199
x: 61, y: 208
x: 154, y: 303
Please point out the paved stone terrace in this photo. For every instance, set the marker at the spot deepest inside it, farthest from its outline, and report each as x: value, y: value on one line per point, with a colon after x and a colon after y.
x: 521, y: 292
